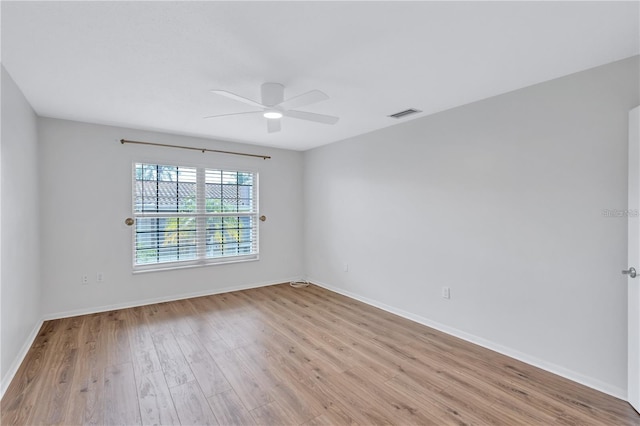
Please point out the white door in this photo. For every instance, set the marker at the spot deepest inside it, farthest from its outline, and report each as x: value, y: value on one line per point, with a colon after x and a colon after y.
x: 633, y: 280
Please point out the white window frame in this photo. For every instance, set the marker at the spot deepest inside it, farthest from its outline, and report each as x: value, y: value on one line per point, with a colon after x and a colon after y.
x: 201, y: 216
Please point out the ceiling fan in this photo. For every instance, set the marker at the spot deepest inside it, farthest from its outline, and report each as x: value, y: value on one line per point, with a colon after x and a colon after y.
x: 273, y: 106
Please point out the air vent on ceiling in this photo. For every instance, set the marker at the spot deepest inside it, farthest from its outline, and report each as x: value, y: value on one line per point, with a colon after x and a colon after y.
x: 404, y: 113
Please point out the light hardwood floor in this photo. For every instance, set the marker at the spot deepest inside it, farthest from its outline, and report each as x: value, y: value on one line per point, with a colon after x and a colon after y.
x: 282, y: 356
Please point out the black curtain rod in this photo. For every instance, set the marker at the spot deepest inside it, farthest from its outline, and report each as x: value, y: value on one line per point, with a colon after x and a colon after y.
x: 264, y: 157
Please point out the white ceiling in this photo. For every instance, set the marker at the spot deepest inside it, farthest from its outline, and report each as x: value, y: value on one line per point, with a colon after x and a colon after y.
x: 150, y: 65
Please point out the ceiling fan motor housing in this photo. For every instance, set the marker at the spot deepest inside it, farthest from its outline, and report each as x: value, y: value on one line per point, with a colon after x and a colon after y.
x: 272, y: 93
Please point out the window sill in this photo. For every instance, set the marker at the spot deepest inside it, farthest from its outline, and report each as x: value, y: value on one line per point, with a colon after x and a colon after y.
x: 196, y: 264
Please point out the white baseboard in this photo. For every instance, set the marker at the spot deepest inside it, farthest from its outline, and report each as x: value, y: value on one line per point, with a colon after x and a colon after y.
x: 143, y: 302
x: 548, y: 366
x: 13, y: 369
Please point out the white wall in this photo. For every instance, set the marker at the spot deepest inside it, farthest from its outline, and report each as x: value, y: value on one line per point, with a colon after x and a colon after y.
x: 86, y: 196
x: 20, y: 275
x: 501, y: 200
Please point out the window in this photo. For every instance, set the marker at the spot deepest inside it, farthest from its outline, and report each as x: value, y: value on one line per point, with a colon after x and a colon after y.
x: 188, y: 216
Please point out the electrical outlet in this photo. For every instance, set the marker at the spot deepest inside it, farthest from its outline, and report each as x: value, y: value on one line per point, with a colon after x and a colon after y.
x: 346, y: 267
x: 84, y: 279
x: 99, y: 277
x: 446, y: 293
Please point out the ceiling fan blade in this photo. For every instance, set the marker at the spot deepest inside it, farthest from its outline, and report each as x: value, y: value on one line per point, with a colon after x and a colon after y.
x: 312, y: 116
x: 237, y: 98
x: 273, y: 125
x: 305, y: 99
x: 233, y: 113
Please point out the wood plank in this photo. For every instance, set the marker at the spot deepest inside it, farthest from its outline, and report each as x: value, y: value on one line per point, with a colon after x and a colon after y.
x: 143, y: 352
x: 309, y: 339
x: 59, y: 377
x: 225, y: 320
x: 115, y: 329
x: 172, y: 361
x: 321, y: 420
x: 196, y: 319
x: 252, y: 392
x: 352, y: 345
x: 156, y: 404
x: 94, y: 360
x: 294, y: 403
x: 204, y: 368
x: 174, y: 365
x: 406, y: 410
x: 361, y: 408
x: 229, y: 410
x: 177, y: 314
x: 120, y: 396
x: 22, y: 395
x: 191, y: 405
x: 290, y: 366
x: 87, y: 374
x: 273, y: 414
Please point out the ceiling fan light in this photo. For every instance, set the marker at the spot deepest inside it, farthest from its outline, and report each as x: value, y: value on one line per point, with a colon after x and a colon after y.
x: 272, y: 114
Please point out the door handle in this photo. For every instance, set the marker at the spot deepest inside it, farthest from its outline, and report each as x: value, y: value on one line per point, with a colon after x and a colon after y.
x: 631, y: 272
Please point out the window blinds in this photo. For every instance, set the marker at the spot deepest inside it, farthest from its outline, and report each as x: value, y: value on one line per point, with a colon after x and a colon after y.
x: 193, y: 215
